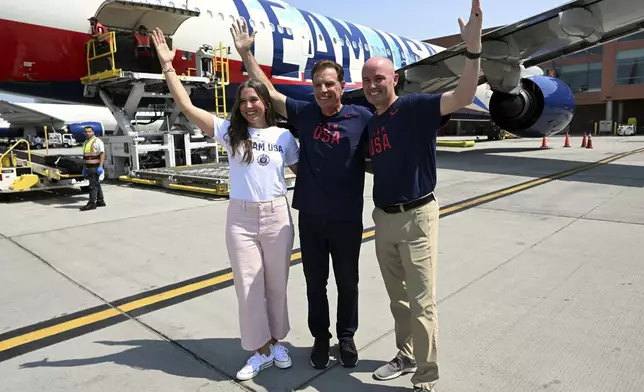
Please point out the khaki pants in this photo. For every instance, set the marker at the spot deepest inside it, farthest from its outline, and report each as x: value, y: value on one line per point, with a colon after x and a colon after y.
x: 406, y: 248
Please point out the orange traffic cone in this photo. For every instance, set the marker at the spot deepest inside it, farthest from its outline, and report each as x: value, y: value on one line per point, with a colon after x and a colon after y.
x: 544, y: 144
x: 567, y: 142
x: 590, y: 142
x: 583, y: 142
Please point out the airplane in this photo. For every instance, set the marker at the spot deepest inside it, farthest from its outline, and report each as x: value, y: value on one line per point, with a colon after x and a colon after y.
x: 23, y: 118
x: 44, y: 51
x: 18, y: 119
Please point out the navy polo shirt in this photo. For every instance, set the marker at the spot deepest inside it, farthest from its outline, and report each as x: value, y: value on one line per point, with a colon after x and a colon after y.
x: 402, y: 147
x: 331, y: 170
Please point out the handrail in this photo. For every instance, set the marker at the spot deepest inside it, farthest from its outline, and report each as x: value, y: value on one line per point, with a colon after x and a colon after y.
x: 14, y: 146
x: 223, y: 63
x: 92, y: 43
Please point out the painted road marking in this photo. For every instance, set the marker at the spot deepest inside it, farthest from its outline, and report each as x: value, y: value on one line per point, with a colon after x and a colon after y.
x: 47, y: 333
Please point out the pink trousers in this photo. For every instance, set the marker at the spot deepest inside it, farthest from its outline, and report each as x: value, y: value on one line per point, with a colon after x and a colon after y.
x: 259, y: 238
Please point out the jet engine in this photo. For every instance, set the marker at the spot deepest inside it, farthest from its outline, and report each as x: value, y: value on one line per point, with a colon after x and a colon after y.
x: 543, y: 106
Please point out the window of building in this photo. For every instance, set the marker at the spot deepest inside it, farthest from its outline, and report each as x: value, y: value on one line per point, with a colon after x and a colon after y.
x: 632, y: 37
x: 597, y: 50
x: 582, y: 77
x: 629, y: 67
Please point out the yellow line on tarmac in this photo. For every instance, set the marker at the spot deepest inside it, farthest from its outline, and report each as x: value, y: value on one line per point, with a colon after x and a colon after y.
x: 296, y: 255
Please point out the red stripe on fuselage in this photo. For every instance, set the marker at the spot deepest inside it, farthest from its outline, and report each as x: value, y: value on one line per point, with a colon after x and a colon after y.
x: 33, y: 53
x: 37, y: 53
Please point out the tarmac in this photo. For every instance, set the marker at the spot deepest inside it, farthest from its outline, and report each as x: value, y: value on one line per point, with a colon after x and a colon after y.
x: 540, y: 283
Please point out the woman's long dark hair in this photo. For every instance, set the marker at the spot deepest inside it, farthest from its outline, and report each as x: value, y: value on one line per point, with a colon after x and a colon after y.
x: 238, y: 132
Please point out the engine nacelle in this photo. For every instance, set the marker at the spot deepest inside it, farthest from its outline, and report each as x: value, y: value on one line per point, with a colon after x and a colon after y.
x: 543, y: 107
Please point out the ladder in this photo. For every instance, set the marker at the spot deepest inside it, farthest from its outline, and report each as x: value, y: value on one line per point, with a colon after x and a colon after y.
x: 222, y: 79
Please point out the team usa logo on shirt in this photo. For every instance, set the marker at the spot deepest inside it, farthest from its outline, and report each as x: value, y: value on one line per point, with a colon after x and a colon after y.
x: 327, y: 135
x: 261, y: 146
x: 263, y: 160
x: 379, y: 141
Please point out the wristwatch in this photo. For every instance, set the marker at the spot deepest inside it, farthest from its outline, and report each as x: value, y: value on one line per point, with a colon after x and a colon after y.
x: 472, y: 56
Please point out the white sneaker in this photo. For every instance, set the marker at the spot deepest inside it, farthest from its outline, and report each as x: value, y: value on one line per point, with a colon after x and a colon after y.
x: 254, y: 365
x: 280, y: 356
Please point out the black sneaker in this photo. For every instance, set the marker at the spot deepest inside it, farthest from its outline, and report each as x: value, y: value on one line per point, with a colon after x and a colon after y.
x: 348, y: 353
x: 320, y: 354
x: 100, y: 203
x: 395, y: 368
x: 88, y: 207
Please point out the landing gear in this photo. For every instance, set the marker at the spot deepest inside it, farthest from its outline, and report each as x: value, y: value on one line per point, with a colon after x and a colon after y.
x: 495, y: 133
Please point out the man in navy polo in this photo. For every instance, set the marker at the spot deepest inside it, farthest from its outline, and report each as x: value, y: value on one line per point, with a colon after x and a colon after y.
x: 402, y: 147
x: 329, y: 192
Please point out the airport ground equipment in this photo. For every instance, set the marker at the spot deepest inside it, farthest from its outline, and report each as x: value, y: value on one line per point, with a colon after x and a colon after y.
x: 131, y: 154
x: 625, y: 130
x: 171, y: 151
x: 20, y: 173
x: 209, y: 178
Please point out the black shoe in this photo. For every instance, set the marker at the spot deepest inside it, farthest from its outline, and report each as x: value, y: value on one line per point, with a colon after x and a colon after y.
x: 348, y: 353
x: 88, y: 207
x: 101, y: 204
x: 320, y: 354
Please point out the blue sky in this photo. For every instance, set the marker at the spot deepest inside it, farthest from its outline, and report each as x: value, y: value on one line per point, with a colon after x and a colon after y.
x: 418, y: 19
x: 424, y: 19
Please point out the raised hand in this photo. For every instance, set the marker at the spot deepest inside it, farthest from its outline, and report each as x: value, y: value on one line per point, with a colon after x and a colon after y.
x: 165, y: 54
x: 471, y: 32
x: 243, y: 41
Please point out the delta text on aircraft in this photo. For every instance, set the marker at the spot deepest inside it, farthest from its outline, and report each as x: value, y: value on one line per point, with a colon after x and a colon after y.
x: 44, y: 50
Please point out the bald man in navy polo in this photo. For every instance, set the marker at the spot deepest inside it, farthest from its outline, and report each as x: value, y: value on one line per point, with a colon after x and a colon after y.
x: 402, y: 147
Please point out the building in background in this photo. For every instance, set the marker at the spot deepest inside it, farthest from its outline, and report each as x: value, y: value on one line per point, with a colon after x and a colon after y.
x: 608, y: 80
x: 464, y: 122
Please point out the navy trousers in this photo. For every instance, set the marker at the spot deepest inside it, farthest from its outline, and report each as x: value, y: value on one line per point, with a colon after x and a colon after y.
x: 320, y: 238
x: 95, y: 190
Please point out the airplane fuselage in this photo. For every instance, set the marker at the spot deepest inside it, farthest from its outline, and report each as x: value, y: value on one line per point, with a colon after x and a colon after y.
x: 44, y: 52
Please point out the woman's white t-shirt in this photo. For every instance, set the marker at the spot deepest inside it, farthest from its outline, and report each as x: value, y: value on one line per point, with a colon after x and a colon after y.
x: 263, y: 178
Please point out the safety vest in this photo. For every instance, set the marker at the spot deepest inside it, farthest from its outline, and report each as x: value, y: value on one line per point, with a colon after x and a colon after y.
x: 142, y: 41
x: 90, y: 155
x: 99, y: 29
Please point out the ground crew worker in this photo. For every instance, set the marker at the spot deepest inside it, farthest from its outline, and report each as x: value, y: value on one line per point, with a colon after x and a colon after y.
x: 402, y: 147
x: 329, y: 191
x: 93, y: 157
x: 142, y: 42
x: 143, y: 50
x: 98, y: 30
